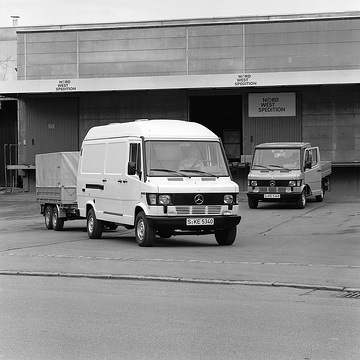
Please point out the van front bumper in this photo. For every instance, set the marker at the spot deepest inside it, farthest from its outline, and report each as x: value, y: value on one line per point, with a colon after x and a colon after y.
x: 180, y: 222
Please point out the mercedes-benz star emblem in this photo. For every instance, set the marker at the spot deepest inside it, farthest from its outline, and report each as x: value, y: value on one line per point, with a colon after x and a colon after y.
x: 199, y: 199
x: 272, y: 183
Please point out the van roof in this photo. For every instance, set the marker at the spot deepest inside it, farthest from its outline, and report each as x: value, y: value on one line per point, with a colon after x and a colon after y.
x: 283, y: 145
x: 152, y: 129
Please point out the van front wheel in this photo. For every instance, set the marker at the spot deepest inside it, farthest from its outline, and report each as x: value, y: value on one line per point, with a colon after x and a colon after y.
x: 225, y: 236
x: 93, y: 225
x: 144, y: 232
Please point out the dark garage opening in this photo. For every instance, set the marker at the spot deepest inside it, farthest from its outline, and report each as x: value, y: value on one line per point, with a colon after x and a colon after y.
x: 223, y: 115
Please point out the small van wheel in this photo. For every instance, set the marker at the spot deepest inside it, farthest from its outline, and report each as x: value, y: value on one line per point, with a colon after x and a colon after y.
x: 225, y: 236
x: 144, y: 232
x: 57, y: 223
x: 320, y: 197
x: 48, y: 217
x: 301, y: 201
x: 253, y: 203
x: 93, y: 225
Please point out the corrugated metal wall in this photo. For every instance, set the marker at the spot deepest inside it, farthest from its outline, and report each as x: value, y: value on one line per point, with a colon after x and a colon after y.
x: 52, y: 125
x: 188, y: 50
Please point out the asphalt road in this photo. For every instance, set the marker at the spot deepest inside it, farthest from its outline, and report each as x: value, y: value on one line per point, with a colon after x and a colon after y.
x: 289, y: 288
x: 65, y: 318
x: 316, y: 247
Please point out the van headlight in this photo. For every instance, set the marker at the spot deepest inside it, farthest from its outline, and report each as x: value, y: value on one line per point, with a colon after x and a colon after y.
x: 293, y: 183
x: 228, y: 199
x: 159, y: 199
x: 253, y: 183
x: 164, y: 199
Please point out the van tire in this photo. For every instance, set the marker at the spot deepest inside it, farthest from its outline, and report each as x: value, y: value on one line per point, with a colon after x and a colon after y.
x: 94, y: 226
x: 48, y: 217
x: 225, y: 236
x: 144, y: 232
x: 301, y: 201
x: 320, y: 197
x: 57, y: 223
x: 253, y: 203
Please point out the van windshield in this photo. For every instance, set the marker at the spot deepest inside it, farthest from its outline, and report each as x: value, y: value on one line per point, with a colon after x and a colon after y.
x: 273, y: 159
x: 185, y: 158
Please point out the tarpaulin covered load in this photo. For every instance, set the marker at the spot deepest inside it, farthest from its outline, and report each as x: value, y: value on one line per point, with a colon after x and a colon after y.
x: 56, y: 177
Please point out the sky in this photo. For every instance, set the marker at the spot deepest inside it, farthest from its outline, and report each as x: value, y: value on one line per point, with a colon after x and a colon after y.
x: 62, y: 12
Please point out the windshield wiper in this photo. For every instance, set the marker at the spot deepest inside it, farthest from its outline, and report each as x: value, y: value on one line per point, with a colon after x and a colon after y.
x: 199, y: 172
x: 262, y: 166
x: 279, y: 166
x: 169, y: 171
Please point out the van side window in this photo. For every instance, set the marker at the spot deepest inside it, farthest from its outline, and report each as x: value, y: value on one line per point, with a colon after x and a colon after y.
x: 115, y: 158
x: 135, y: 156
x: 311, y: 157
x: 93, y: 158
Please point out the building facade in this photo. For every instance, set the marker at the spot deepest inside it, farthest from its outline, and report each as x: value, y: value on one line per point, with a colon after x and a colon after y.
x: 250, y: 80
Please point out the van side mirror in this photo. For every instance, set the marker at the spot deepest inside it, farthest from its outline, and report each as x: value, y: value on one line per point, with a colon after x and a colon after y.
x: 131, y: 168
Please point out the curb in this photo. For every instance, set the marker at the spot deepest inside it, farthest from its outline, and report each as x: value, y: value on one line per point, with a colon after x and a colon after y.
x: 179, y: 280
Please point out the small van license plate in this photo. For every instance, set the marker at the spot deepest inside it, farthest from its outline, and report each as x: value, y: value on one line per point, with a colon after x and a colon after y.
x: 271, y: 196
x: 200, y: 221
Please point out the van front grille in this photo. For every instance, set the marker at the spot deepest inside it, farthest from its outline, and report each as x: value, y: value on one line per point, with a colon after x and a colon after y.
x: 198, y: 210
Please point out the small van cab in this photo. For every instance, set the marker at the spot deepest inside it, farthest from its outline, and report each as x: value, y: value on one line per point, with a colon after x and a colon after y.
x: 159, y: 177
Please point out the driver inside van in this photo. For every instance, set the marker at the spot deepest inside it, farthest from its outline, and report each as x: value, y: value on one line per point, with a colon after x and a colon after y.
x: 192, y: 160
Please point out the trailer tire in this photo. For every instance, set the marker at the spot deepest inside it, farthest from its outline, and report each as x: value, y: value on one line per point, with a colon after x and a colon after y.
x: 57, y: 223
x: 225, y: 236
x: 93, y: 225
x: 144, y: 232
x: 48, y: 216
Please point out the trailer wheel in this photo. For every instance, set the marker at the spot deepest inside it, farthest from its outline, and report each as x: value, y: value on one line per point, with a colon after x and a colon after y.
x: 144, y: 232
x: 48, y: 217
x: 301, y: 201
x: 57, y: 223
x: 93, y: 225
x: 225, y: 236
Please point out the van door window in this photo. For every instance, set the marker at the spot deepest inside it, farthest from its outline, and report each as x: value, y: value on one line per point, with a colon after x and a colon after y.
x: 134, y: 159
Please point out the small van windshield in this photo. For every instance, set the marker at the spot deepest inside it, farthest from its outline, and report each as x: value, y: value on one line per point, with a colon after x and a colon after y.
x: 273, y: 159
x: 185, y: 158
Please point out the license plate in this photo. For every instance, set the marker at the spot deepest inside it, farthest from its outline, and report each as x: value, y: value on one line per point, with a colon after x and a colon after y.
x: 271, y: 196
x: 199, y: 221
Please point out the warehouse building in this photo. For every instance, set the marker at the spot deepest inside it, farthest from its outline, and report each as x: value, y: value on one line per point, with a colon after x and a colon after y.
x: 249, y: 79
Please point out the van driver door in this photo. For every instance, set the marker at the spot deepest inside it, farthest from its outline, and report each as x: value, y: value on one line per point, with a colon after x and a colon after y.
x: 312, y: 171
x: 134, y: 177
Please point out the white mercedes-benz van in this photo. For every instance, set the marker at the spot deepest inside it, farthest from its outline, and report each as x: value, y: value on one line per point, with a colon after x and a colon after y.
x: 160, y: 177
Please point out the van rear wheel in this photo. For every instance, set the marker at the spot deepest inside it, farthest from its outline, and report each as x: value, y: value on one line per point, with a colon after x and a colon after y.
x: 144, y: 232
x: 93, y: 225
x: 57, y: 223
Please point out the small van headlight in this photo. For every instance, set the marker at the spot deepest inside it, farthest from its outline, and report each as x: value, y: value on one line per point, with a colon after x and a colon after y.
x: 253, y: 183
x: 293, y: 183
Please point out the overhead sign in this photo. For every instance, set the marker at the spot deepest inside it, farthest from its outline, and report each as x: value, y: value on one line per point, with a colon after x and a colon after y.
x: 272, y: 104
